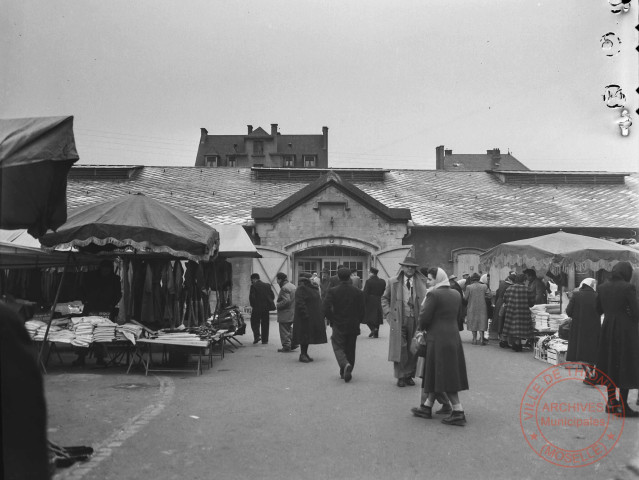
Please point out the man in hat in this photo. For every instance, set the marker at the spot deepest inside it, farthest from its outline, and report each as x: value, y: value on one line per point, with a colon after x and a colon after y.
x: 285, y: 309
x: 401, y: 302
x: 373, y: 291
x: 344, y: 308
x: 261, y: 299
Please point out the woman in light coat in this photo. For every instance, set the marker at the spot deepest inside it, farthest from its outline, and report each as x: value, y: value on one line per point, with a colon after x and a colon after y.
x: 476, y: 310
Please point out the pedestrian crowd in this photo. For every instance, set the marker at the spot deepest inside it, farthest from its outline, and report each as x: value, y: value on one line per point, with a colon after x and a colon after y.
x: 426, y: 309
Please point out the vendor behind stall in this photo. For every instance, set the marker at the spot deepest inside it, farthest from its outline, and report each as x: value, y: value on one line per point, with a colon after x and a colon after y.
x: 101, y: 293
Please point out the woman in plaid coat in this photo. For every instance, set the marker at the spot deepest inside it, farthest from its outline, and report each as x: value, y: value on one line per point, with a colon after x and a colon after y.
x: 518, y: 320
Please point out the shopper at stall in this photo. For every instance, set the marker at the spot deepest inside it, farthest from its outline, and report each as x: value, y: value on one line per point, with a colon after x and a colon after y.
x: 101, y: 293
x: 536, y: 286
x: 618, y: 352
x: 261, y: 299
x: 401, y: 303
x: 285, y: 310
x: 517, y: 321
x: 445, y: 369
x: 344, y: 308
x: 476, y: 312
x: 499, y: 313
x: 373, y: 291
x: 308, y: 321
x: 584, y: 328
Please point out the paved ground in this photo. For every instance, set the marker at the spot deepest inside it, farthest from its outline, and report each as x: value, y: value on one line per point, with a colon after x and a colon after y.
x: 260, y: 414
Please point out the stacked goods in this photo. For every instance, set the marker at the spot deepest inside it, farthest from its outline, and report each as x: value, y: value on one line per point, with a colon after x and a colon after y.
x: 32, y: 327
x: 555, y: 320
x: 62, y: 335
x: 83, y: 328
x: 557, y: 349
x: 540, y: 317
x: 104, y: 330
x: 128, y: 331
x: 179, y: 338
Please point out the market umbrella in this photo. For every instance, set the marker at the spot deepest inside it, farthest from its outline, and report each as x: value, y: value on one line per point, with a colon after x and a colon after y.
x: 135, y: 224
x: 559, y: 251
x: 36, y: 155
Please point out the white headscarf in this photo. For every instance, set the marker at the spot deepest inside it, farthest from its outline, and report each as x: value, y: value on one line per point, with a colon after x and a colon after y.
x: 441, y: 280
x: 591, y: 282
x: 484, y: 279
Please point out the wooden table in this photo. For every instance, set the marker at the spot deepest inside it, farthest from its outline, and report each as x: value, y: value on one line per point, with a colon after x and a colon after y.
x: 144, y: 345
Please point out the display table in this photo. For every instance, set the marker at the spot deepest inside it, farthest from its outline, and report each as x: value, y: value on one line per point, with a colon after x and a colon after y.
x: 145, y: 345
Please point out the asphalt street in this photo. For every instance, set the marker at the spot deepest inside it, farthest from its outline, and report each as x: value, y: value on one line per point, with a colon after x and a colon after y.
x: 260, y: 414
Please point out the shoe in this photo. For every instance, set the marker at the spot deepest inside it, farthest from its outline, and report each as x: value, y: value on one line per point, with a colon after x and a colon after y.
x: 341, y: 373
x: 348, y: 372
x: 370, y: 335
x: 284, y: 350
x: 78, y: 362
x: 376, y: 334
x: 401, y: 382
x: 516, y: 347
x: 503, y: 344
x: 304, y: 358
x: 264, y: 343
x: 456, y: 418
x: 257, y: 340
x: 422, y: 411
x: 293, y: 347
x: 614, y: 408
x: 484, y: 342
x: 410, y: 381
x: 309, y: 358
x: 445, y: 410
x: 100, y: 361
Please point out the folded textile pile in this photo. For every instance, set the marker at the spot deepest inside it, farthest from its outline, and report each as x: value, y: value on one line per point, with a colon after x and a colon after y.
x: 179, y: 338
x: 62, y: 335
x: 104, y: 330
x: 540, y: 317
x: 83, y: 329
x: 128, y: 331
x: 555, y: 320
x: 32, y: 327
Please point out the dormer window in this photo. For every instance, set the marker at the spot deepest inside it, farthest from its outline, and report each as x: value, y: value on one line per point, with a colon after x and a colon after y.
x: 212, y: 161
x: 258, y: 147
x: 289, y: 160
x: 310, y: 161
x: 232, y: 161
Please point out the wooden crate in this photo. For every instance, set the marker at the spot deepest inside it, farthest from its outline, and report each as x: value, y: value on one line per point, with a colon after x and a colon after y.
x: 555, y: 357
x: 540, y: 354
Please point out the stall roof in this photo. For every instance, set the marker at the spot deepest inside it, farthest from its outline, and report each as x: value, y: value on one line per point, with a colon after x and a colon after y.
x: 235, y: 242
x: 18, y: 256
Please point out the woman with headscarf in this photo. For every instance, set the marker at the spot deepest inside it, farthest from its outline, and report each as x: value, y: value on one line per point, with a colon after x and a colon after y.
x: 518, y: 320
x: 618, y: 352
x: 476, y: 309
x: 585, y: 326
x: 445, y: 369
x: 308, y: 320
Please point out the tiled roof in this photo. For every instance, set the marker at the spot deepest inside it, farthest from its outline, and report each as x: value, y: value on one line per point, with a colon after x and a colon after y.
x: 435, y: 198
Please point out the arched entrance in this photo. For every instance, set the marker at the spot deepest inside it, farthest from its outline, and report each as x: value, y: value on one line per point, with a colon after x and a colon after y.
x: 315, y: 259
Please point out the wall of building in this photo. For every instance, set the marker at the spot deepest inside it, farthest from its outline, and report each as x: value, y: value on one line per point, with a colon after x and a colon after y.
x: 342, y: 217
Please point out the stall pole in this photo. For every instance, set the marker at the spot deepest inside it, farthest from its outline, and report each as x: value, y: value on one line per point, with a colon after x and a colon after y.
x: 55, y: 302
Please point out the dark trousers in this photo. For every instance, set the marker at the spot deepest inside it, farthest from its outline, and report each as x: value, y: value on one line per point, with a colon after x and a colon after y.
x: 260, y: 319
x: 344, y: 348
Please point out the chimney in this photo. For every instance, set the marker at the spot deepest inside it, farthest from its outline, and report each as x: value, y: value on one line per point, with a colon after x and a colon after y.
x: 439, y: 157
x: 203, y: 133
x: 274, y: 129
x: 250, y: 129
x: 325, y: 135
x: 495, y: 158
x: 447, y: 153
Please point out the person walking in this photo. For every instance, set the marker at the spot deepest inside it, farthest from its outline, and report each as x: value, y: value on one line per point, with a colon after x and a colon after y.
x: 445, y: 369
x: 584, y: 328
x: 285, y: 306
x: 476, y: 312
x: 401, y: 303
x: 261, y: 299
x: 334, y: 281
x: 308, y: 321
x: 518, y: 321
x: 344, y: 308
x: 618, y: 352
x: 373, y: 291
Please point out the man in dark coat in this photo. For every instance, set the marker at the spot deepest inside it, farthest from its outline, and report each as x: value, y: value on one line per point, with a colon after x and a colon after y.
x: 536, y: 286
x: 344, y: 308
x: 618, y: 352
x: 262, y: 300
x: 334, y: 281
x: 373, y: 291
x: 308, y: 320
x: 585, y: 327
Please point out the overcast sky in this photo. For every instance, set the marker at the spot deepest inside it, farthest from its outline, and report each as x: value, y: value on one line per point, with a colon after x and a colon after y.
x: 391, y: 79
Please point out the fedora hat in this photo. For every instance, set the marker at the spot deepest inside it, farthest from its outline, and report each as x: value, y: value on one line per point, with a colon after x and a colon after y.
x: 409, y: 262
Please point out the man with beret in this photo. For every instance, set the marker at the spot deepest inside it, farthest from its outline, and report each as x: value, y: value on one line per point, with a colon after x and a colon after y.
x: 344, y: 309
x: 401, y: 303
x: 285, y: 306
x: 373, y: 291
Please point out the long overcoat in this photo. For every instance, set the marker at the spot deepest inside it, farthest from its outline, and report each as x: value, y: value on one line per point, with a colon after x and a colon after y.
x: 585, y: 327
x: 286, y: 303
x: 476, y: 311
x: 393, y: 306
x: 618, y: 352
x: 308, y: 322
x: 445, y: 369
x: 518, y: 320
x: 373, y: 291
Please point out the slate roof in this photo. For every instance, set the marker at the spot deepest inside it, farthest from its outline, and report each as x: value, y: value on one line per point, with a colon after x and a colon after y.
x: 435, y: 198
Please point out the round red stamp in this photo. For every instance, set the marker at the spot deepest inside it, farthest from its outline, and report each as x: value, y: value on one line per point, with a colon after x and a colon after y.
x: 563, y: 431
